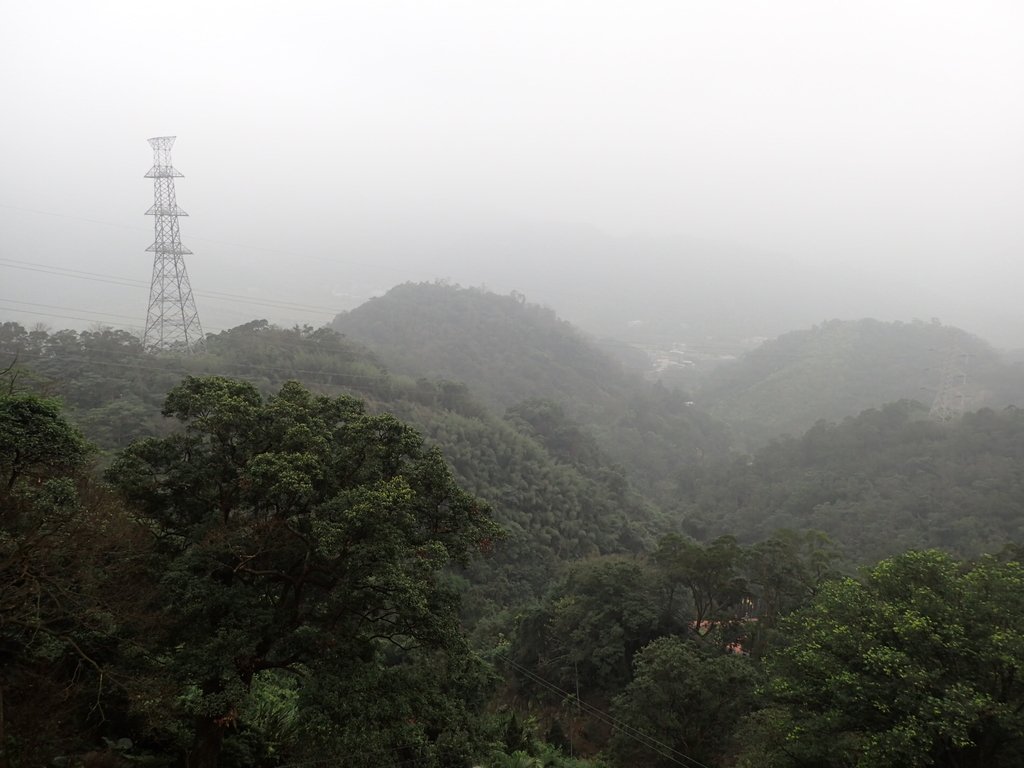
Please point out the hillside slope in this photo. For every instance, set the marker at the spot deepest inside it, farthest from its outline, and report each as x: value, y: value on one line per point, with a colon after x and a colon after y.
x: 840, y: 368
x: 884, y: 481
x: 504, y: 349
x: 557, y: 495
x: 508, y: 351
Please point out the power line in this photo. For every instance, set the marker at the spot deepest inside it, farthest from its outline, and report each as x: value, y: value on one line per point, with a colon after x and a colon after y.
x: 265, y: 249
x: 70, y: 216
x: 70, y: 317
x: 755, y: 354
x: 300, y: 343
x: 136, y: 329
x: 133, y: 229
x: 119, y: 326
x: 384, y: 377
x: 46, y: 270
x: 275, y: 343
x: 68, y: 309
x: 57, y: 215
x: 132, y: 283
x: 308, y: 344
x: 659, y: 747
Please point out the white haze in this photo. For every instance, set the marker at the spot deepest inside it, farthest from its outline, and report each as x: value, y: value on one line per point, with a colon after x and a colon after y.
x: 807, y: 158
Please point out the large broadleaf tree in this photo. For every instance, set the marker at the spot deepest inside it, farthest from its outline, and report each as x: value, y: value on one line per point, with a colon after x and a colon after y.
x: 302, y: 550
x: 917, y: 664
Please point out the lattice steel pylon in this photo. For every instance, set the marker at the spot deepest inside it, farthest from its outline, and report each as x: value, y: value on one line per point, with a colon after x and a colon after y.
x: 172, y: 322
x: 950, y: 401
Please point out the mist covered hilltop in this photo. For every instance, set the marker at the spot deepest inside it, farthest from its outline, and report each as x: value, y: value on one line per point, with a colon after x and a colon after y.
x: 659, y: 290
x: 577, y: 384
x: 834, y: 369
x: 552, y: 509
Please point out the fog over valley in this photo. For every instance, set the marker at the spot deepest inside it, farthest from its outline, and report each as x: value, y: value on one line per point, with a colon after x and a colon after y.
x: 744, y: 170
x: 528, y: 385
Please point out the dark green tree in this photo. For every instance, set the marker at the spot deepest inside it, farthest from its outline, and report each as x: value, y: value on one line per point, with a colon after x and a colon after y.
x: 300, y: 535
x: 919, y: 664
x: 595, y: 618
x: 709, y: 575
x: 562, y: 436
x: 36, y: 443
x: 67, y: 566
x: 685, y: 699
x: 783, y: 573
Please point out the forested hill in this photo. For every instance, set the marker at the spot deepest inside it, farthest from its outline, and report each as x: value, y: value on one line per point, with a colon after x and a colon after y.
x: 504, y: 349
x: 879, y: 483
x: 508, y: 351
x: 553, y: 490
x: 838, y: 369
x: 296, y: 602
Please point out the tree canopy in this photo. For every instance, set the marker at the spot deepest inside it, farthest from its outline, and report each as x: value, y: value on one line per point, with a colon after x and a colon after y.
x: 918, y: 664
x: 280, y: 575
x: 300, y: 536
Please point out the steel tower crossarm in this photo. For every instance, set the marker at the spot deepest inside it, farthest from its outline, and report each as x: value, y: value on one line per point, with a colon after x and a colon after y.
x: 172, y: 320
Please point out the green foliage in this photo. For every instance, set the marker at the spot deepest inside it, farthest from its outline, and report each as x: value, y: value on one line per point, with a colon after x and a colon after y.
x: 36, y: 443
x: 883, y: 482
x: 68, y: 558
x: 473, y: 336
x: 564, y: 438
x: 673, y: 639
x: 838, y: 369
x: 518, y: 744
x: 782, y: 574
x: 915, y: 665
x: 518, y: 759
x: 97, y: 374
x: 293, y: 559
x: 553, y: 508
x: 114, y: 390
x: 300, y: 533
x: 520, y: 356
x: 709, y: 574
x: 423, y: 707
x: 685, y: 698
x: 585, y: 633
x: 270, y: 356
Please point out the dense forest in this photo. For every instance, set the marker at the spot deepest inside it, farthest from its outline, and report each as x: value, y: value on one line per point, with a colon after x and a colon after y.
x: 508, y: 351
x: 838, y: 369
x: 461, y: 534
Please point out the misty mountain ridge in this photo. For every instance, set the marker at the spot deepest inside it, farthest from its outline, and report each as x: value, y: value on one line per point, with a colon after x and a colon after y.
x: 508, y: 350
x: 647, y: 289
x: 839, y: 368
x: 505, y: 349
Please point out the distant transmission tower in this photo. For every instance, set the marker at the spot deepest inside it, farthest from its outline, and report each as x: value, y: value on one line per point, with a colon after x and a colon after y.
x: 951, y: 398
x: 173, y: 320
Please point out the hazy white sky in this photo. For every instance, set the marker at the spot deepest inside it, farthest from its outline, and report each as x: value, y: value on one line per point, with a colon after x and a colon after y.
x: 333, y: 148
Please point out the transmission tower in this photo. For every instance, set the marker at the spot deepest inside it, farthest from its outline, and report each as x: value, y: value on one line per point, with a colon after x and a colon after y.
x: 951, y: 398
x: 172, y: 322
